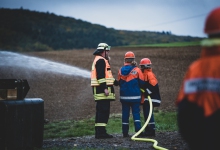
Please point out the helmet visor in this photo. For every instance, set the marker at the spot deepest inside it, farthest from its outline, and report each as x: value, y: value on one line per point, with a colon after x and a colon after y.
x: 107, y: 48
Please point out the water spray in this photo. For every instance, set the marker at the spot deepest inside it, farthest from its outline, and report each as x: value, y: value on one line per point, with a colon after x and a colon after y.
x: 29, y: 62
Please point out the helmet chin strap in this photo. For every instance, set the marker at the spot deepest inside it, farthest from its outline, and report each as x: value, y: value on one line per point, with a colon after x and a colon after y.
x: 106, y: 57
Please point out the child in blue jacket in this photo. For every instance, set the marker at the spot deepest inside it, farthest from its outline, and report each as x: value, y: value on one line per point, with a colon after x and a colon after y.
x: 130, y: 81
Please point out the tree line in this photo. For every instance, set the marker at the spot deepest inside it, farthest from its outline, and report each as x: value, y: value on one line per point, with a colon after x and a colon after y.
x: 25, y: 30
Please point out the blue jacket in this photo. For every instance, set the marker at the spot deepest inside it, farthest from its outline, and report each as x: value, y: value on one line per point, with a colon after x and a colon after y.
x: 131, y: 80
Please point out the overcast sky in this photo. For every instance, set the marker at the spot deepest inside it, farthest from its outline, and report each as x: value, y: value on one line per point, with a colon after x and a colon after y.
x: 180, y: 17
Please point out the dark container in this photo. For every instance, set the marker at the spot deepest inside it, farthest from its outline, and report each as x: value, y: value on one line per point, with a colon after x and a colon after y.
x: 13, y: 89
x: 21, y: 124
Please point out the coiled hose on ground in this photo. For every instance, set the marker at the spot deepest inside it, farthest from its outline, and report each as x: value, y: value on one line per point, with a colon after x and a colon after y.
x: 134, y: 137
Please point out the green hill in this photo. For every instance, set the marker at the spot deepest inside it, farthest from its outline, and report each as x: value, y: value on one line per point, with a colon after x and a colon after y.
x: 25, y: 30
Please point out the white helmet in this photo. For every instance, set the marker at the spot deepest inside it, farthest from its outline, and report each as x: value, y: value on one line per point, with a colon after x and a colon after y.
x: 102, y: 47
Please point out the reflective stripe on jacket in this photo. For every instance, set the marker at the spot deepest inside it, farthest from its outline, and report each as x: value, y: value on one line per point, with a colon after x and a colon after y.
x: 201, y: 85
x: 102, y: 96
x: 131, y: 80
x: 101, y: 78
x: 108, y: 74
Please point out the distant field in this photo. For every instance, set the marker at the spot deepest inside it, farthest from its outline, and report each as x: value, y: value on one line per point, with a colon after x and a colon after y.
x: 177, y: 44
x: 70, y: 97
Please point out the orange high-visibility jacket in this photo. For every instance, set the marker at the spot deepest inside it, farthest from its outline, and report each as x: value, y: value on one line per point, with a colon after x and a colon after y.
x: 201, y: 85
x: 107, y: 81
x: 108, y: 74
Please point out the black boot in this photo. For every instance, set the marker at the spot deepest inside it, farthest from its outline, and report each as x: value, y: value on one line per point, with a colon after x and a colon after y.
x: 141, y: 135
x: 149, y: 131
x: 101, y: 133
x: 126, y: 135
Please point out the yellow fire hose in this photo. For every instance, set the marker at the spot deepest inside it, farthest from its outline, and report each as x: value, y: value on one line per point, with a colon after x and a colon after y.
x: 146, y: 139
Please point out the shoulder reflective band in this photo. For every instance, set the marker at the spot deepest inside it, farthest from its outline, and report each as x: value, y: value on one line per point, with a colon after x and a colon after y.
x: 202, y: 84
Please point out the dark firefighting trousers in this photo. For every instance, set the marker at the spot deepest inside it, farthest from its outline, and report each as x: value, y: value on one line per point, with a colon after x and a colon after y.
x: 102, y: 115
x: 146, y: 111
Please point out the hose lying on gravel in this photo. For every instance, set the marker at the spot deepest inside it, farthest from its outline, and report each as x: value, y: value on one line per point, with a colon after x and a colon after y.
x: 145, y: 124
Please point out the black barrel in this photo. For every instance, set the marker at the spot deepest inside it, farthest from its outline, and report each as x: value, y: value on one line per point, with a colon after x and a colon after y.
x: 21, y: 123
x: 13, y: 89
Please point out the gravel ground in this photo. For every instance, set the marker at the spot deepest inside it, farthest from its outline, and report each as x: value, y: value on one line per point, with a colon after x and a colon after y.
x: 167, y: 140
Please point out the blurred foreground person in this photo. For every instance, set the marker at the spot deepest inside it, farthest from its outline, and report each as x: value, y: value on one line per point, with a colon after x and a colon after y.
x: 198, y: 101
x: 102, y: 82
x: 151, y: 88
x: 130, y: 80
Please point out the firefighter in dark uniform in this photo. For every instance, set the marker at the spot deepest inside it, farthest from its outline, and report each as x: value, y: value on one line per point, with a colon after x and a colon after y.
x: 102, y: 82
x: 198, y: 101
x: 151, y: 88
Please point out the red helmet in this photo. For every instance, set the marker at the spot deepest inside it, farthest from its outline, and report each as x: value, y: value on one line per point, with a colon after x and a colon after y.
x: 212, y: 24
x: 129, y: 55
x: 145, y: 61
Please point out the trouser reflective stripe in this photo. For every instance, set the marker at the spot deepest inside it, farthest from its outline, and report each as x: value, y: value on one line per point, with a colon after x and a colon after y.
x: 100, y: 124
x: 125, y: 128
x: 126, y: 113
x: 125, y: 123
x: 136, y: 116
x: 137, y: 121
x: 102, y: 113
x: 146, y: 109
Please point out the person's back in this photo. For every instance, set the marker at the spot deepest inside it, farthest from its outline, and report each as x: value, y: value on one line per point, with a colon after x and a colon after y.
x: 199, y: 99
x: 130, y: 80
x: 129, y: 83
x: 151, y: 88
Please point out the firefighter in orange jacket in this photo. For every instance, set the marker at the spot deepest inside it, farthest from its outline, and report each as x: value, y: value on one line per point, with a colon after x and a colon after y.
x: 198, y: 101
x: 102, y: 82
x: 151, y: 88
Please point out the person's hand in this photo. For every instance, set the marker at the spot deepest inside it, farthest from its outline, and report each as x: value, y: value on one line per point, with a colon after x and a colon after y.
x: 106, y: 92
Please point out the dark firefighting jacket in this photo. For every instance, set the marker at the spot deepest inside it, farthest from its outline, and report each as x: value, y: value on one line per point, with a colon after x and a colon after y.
x: 198, y: 101
x: 151, y: 88
x: 201, y: 85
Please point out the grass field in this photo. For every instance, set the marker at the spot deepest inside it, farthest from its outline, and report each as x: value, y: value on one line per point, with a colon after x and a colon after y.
x: 177, y: 44
x: 165, y: 121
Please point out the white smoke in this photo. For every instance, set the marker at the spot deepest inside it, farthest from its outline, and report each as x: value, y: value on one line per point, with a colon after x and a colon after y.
x: 18, y: 60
